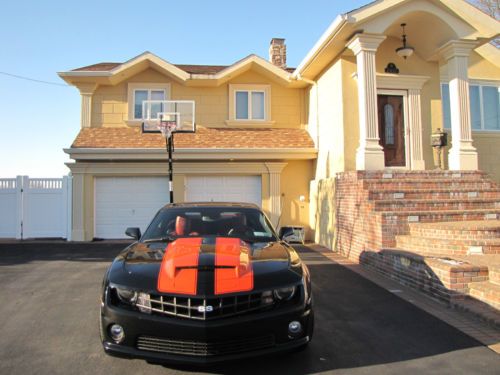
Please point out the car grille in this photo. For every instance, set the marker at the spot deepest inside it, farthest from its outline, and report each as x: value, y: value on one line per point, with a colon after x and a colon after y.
x: 203, y: 349
x: 209, y: 308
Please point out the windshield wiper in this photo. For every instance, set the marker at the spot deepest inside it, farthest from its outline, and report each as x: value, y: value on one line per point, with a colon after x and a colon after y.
x: 160, y: 239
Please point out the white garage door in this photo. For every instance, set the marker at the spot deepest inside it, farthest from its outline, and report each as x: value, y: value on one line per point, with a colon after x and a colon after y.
x: 224, y: 189
x: 122, y: 202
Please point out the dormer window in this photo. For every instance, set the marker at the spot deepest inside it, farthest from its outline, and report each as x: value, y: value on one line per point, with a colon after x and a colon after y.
x: 139, y: 92
x: 249, y: 104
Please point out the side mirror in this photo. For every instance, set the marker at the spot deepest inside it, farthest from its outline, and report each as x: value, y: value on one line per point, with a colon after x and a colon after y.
x: 135, y: 233
x: 285, y: 232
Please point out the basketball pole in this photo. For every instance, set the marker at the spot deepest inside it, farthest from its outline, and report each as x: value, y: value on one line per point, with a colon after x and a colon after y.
x: 169, y: 145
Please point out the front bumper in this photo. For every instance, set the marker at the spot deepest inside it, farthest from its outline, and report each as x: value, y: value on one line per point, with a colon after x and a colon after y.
x: 138, y: 325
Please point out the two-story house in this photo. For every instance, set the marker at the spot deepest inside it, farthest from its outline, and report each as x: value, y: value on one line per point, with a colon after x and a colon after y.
x: 258, y: 151
x: 362, y: 99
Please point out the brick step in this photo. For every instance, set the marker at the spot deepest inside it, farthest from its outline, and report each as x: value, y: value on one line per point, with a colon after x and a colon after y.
x: 486, y: 292
x: 433, y: 193
x: 423, y: 245
x: 431, y: 216
x: 441, y: 204
x: 442, y: 183
x: 417, y: 174
x: 494, y: 274
x: 460, y: 230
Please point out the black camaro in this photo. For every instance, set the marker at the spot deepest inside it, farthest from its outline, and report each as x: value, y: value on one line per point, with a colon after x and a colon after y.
x: 206, y: 282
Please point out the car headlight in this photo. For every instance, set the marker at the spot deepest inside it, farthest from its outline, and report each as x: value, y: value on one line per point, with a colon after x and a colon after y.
x: 284, y: 294
x: 127, y: 296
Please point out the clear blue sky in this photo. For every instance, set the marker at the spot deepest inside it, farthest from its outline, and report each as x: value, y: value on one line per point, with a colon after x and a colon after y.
x: 40, y: 38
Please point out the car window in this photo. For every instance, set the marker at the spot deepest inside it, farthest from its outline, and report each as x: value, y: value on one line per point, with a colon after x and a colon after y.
x: 246, y: 223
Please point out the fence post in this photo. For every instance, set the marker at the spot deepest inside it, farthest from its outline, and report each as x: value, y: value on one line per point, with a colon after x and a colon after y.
x: 19, y: 207
x: 67, y: 185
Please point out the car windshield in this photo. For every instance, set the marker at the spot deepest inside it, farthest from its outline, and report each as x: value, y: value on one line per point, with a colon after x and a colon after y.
x: 249, y: 224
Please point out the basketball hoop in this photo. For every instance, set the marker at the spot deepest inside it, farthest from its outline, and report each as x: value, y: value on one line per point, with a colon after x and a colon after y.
x: 168, y: 117
x: 167, y: 124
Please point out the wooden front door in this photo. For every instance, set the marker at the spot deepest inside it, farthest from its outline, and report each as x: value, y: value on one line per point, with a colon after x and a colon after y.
x: 391, y: 129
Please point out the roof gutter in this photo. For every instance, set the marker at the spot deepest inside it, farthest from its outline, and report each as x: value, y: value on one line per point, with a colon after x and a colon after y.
x: 323, y: 41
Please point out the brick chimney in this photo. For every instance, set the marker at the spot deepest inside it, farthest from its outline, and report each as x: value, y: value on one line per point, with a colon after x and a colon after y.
x: 277, y: 52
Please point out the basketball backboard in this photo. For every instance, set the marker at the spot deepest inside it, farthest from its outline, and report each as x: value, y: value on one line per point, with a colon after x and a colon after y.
x: 178, y: 114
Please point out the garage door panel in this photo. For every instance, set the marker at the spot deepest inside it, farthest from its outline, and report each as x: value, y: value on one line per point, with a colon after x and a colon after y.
x: 122, y: 202
x: 224, y: 189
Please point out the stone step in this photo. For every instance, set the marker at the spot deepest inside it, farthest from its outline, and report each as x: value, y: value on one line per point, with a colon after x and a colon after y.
x: 486, y: 292
x: 410, y: 193
x: 428, y: 174
x: 433, y: 204
x: 460, y: 230
x: 424, y: 245
x: 494, y: 274
x: 404, y: 183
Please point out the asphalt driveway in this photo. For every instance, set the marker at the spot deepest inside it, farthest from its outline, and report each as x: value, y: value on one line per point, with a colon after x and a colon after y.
x: 49, y: 305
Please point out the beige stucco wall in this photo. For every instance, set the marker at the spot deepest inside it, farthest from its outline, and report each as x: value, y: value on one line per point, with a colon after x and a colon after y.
x: 326, y: 121
x: 295, y: 179
x: 110, y: 108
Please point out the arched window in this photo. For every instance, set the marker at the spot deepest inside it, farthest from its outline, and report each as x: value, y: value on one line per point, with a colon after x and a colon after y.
x: 389, y: 124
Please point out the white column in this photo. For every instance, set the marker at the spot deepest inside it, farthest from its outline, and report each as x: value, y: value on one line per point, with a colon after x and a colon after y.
x: 86, y: 92
x: 274, y: 170
x: 415, y: 125
x: 462, y: 155
x: 369, y: 155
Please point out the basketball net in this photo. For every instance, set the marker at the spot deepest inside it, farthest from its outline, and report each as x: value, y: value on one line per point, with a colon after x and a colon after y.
x: 167, y: 127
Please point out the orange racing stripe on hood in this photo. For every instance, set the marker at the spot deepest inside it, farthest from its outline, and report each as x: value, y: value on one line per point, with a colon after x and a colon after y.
x: 237, y: 274
x: 178, y: 270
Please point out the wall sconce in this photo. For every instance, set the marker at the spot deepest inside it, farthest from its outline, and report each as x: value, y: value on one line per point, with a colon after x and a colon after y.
x: 404, y: 51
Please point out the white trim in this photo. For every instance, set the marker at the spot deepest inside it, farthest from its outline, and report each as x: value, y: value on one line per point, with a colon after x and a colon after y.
x: 404, y: 94
x: 401, y: 81
x: 234, y: 88
x: 322, y: 43
x: 191, y: 154
x: 219, y: 78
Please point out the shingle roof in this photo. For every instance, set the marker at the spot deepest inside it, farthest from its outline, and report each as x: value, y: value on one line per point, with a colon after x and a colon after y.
x: 204, y: 138
x: 192, y: 69
x: 100, y: 67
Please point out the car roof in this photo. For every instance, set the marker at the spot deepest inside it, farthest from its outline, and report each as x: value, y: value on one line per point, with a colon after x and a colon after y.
x: 211, y: 204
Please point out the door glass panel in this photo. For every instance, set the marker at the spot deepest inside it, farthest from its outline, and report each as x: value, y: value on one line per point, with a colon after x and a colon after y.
x: 389, y: 124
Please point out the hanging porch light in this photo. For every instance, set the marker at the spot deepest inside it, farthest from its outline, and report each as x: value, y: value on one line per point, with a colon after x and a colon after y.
x: 405, y: 51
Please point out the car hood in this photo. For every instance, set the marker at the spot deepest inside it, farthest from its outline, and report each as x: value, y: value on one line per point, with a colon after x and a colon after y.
x: 206, y: 266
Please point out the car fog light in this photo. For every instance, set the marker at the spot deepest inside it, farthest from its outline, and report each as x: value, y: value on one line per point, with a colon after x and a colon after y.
x: 294, y: 328
x: 116, y: 332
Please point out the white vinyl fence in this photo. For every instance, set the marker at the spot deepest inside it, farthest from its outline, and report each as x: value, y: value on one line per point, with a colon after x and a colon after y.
x: 35, y: 207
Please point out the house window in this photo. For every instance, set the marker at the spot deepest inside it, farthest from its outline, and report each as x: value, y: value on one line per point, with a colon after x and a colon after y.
x: 249, y: 103
x: 484, y: 106
x: 141, y: 95
x: 139, y: 92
